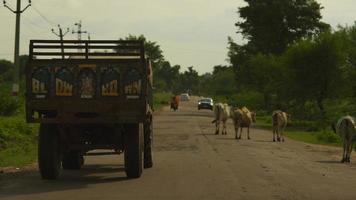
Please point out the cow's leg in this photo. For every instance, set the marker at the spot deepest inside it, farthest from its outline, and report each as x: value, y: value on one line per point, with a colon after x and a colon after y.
x: 248, y: 132
x: 224, y: 129
x: 274, y: 133
x: 278, y: 134
x: 282, y: 135
x: 240, y: 132
x: 217, y: 125
x: 349, y: 150
x: 344, y: 152
x: 236, y: 129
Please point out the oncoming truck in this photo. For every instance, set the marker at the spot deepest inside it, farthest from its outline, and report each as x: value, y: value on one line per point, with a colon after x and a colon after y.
x: 90, y: 95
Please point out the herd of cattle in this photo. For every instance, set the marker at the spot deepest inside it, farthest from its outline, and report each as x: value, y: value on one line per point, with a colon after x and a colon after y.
x: 243, y: 118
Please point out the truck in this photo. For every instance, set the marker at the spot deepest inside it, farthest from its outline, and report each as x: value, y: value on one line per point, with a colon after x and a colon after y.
x: 90, y: 96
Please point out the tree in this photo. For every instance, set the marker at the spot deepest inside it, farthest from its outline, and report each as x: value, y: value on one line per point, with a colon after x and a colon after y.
x: 168, y: 74
x: 348, y: 34
x: 6, y: 70
x: 261, y: 73
x: 316, y: 70
x: 5, y: 65
x: 189, y: 80
x: 270, y: 26
x: 153, y: 50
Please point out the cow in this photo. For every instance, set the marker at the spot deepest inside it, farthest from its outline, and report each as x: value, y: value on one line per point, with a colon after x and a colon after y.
x: 222, y: 114
x: 174, y: 103
x: 279, y: 122
x: 346, y: 129
x: 242, y: 118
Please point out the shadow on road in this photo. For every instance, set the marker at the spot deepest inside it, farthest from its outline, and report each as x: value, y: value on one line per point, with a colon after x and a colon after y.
x: 227, y: 139
x: 24, y: 183
x: 329, y: 162
x: 264, y: 141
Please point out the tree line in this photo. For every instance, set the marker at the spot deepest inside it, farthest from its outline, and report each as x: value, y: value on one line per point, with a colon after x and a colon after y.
x: 294, y: 61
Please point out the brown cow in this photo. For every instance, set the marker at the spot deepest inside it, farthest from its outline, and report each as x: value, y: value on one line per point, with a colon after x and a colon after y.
x: 242, y: 118
x: 175, y: 103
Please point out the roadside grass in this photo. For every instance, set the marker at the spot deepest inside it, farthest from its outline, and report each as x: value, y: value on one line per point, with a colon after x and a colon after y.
x: 18, y: 141
x: 18, y: 156
x: 161, y: 99
x: 304, y: 131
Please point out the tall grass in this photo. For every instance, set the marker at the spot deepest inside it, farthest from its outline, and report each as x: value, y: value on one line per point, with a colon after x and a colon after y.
x: 305, y: 131
x: 161, y: 99
x: 17, y: 141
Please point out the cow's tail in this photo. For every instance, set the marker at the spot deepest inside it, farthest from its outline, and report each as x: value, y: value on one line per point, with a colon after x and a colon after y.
x: 344, y: 125
x: 275, y: 119
x: 333, y: 127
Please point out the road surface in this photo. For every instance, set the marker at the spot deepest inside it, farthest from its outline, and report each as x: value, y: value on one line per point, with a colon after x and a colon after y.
x: 190, y: 162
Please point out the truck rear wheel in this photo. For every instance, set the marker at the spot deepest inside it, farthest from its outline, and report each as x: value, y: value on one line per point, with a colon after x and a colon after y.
x: 133, y: 151
x: 72, y: 160
x: 147, y: 162
x: 49, y: 155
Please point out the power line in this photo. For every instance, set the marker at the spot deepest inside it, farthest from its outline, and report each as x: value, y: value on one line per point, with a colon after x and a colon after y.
x: 29, y: 20
x: 35, y: 28
x: 50, y: 22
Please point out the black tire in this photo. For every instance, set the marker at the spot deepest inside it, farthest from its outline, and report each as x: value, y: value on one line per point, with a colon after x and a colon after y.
x: 148, y: 138
x: 49, y: 155
x: 133, y: 151
x: 72, y: 160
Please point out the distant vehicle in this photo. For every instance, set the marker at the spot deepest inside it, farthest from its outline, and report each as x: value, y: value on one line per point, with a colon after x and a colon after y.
x: 205, y: 103
x: 184, y: 97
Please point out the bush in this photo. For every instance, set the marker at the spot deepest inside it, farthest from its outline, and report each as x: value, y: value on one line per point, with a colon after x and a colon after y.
x: 161, y: 98
x: 15, y: 130
x: 8, y: 106
x: 328, y: 137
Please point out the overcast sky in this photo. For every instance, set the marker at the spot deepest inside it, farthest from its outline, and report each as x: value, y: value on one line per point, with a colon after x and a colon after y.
x: 190, y: 32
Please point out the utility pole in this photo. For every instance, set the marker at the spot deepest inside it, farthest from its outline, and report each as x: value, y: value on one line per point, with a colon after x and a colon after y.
x: 18, y: 11
x: 79, y: 32
x: 61, y: 35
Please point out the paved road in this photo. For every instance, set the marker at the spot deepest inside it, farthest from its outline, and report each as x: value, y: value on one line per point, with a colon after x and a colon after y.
x: 192, y: 163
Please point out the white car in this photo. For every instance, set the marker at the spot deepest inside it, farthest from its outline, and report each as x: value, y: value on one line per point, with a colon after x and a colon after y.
x: 184, y: 97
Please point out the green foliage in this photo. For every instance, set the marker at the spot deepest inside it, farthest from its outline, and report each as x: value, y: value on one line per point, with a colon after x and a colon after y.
x: 153, y: 50
x: 328, y: 137
x: 8, y: 104
x: 17, y: 141
x: 270, y: 26
x: 315, y: 70
x: 161, y: 99
x: 5, y: 66
x: 219, y: 83
x: 251, y: 99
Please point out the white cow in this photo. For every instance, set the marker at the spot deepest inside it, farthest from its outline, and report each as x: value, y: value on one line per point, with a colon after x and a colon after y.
x: 222, y: 114
x: 280, y: 121
x: 346, y: 129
